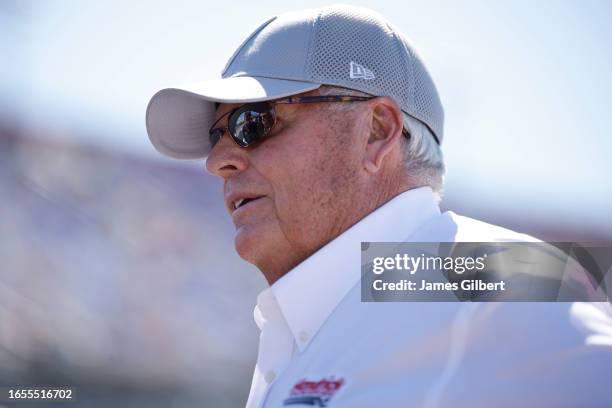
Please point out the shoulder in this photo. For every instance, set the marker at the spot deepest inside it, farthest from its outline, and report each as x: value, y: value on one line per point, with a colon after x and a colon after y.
x: 469, y: 228
x: 451, y: 227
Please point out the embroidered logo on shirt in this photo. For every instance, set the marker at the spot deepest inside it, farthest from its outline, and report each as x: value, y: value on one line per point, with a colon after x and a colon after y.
x: 315, y: 393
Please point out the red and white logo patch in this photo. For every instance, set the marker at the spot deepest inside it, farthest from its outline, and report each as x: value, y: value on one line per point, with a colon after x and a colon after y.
x: 315, y: 393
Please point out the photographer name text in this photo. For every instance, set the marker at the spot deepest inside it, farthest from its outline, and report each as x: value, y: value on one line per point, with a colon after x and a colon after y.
x: 412, y: 265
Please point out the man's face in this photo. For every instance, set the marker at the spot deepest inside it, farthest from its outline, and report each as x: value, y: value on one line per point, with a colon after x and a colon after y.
x: 304, y: 179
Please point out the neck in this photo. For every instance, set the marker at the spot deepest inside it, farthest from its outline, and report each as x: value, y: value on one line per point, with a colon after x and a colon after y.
x: 365, y: 203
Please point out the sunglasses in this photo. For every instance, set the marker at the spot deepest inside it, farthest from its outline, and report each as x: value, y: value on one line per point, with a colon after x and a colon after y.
x: 252, y: 122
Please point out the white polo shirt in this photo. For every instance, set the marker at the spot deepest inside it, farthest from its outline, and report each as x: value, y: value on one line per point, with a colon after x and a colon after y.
x: 321, y: 346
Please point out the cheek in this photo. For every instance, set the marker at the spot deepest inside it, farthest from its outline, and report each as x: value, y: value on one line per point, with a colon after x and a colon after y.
x: 310, y: 171
x: 306, y: 184
x: 295, y: 190
x: 302, y: 213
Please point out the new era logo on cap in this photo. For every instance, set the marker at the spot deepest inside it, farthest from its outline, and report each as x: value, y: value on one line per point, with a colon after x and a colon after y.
x: 358, y: 71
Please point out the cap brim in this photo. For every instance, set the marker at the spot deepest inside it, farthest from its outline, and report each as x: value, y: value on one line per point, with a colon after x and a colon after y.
x: 178, y: 119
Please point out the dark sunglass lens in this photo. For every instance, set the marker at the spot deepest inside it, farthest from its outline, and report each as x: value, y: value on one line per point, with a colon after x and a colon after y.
x: 249, y: 125
x: 215, y: 135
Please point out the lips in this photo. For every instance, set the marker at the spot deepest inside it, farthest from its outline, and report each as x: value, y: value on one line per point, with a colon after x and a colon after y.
x: 239, y: 200
x: 243, y: 201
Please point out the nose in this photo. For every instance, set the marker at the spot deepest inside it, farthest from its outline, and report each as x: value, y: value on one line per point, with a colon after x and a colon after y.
x: 226, y: 158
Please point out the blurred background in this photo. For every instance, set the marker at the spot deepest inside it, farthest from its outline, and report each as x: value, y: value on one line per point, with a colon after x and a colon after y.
x: 118, y: 274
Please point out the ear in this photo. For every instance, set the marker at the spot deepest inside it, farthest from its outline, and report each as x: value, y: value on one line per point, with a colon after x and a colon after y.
x: 385, y: 131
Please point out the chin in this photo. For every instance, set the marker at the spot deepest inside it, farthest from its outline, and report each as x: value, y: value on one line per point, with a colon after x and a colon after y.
x: 250, y: 243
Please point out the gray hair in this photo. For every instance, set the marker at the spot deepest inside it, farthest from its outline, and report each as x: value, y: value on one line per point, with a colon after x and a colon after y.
x: 424, y: 163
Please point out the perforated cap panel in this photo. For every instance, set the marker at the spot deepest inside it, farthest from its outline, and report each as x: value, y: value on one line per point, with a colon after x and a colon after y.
x: 357, y: 48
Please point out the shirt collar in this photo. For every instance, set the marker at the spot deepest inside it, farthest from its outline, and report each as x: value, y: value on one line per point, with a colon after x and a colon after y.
x: 309, y: 293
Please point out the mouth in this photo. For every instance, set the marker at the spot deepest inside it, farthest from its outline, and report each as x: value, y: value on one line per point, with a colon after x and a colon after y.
x: 243, y: 201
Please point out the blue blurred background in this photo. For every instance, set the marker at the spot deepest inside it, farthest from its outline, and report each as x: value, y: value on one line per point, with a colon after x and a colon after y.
x: 117, y: 269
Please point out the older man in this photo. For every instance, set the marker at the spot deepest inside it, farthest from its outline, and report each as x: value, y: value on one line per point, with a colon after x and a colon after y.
x: 326, y: 129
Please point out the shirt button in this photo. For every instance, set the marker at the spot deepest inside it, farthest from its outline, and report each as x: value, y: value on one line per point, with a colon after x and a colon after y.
x: 303, y: 337
x: 270, y: 376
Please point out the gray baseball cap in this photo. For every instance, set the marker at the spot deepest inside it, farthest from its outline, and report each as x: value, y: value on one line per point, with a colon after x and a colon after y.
x: 292, y: 53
